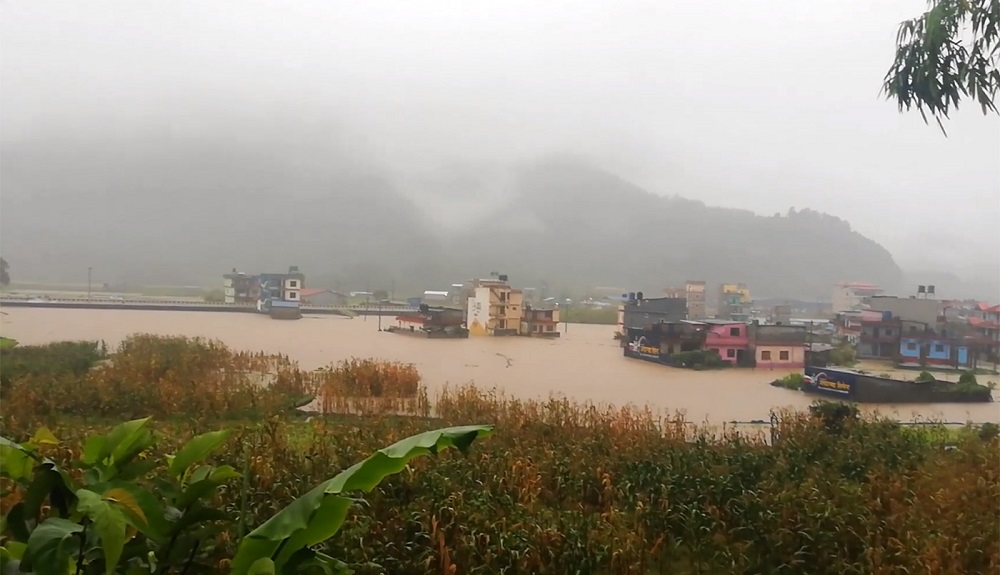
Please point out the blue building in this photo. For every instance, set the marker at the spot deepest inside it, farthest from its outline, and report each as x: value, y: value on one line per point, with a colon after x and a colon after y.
x: 280, y: 295
x: 920, y: 345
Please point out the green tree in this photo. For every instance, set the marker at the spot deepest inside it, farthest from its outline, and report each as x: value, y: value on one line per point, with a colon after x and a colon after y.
x: 4, y: 274
x: 945, y: 55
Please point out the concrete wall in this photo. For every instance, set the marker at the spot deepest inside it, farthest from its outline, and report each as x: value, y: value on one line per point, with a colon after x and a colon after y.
x: 657, y: 310
x: 780, y: 356
x: 478, y: 314
x: 908, y: 309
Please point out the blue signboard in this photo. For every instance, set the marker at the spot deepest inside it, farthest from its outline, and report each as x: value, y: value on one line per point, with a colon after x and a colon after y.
x: 642, y: 345
x: 832, y: 382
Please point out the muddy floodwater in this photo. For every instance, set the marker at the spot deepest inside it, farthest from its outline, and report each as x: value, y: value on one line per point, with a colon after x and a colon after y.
x: 585, y: 364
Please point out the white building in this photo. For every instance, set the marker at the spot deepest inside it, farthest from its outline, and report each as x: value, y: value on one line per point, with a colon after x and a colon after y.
x: 849, y: 296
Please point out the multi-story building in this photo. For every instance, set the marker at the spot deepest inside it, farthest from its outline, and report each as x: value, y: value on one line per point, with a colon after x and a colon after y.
x: 879, y: 337
x: 674, y: 292
x: 728, y: 339
x: 640, y: 312
x: 849, y: 296
x: 985, y: 324
x: 778, y: 346
x: 277, y: 294
x: 239, y: 287
x: 493, y: 307
x: 926, y: 311
x: 734, y: 302
x: 538, y: 321
x: 781, y: 314
x: 694, y: 293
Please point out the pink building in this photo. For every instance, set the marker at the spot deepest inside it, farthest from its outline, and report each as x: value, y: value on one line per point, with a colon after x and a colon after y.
x: 730, y: 340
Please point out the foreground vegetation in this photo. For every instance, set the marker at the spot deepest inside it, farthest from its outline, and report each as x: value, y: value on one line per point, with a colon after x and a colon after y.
x: 560, y: 487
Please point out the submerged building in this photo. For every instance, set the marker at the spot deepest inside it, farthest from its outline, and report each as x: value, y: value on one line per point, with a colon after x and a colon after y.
x: 432, y: 322
x: 493, y: 307
x: 276, y: 294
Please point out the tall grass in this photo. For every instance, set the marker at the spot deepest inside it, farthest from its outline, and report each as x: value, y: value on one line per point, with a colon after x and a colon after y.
x: 569, y: 487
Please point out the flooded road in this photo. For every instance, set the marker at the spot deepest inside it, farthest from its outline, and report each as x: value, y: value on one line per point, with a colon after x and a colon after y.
x: 585, y: 364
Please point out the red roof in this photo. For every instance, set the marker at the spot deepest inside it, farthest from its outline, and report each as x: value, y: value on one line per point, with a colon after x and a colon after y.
x: 976, y: 322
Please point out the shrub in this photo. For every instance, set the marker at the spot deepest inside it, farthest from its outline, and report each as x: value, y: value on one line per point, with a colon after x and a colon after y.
x: 989, y: 431
x: 844, y: 355
x: 790, y: 381
x: 967, y: 378
x: 925, y: 377
x: 697, y: 359
x: 835, y: 415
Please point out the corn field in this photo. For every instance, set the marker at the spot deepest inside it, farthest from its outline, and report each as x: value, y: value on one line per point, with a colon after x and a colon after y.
x: 561, y: 487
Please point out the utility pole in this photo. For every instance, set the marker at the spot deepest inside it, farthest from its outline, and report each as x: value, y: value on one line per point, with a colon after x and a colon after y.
x: 566, y: 319
x: 89, y: 271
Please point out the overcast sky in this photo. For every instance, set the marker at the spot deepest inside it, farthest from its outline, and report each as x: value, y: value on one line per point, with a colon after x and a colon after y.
x: 758, y: 104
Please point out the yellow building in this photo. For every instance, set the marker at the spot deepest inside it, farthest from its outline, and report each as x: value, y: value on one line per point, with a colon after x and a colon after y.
x: 741, y: 289
x: 494, y: 308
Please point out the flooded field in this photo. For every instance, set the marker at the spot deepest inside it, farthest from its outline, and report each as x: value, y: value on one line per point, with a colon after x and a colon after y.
x: 585, y: 364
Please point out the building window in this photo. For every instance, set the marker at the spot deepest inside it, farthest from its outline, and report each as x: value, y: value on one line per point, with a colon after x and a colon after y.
x: 888, y: 333
x: 911, y: 346
x: 293, y: 295
x: 293, y: 284
x: 765, y: 355
x: 783, y: 355
x: 938, y: 348
x: 874, y: 332
x: 730, y: 353
x: 734, y: 331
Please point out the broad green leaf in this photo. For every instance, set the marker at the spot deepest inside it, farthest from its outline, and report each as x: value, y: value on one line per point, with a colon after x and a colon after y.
x: 48, y: 483
x: 125, y: 500
x: 109, y: 522
x: 304, y: 559
x: 196, y: 516
x: 204, y: 482
x: 16, y: 523
x: 93, y: 449
x: 16, y: 461
x: 51, y: 545
x: 128, y: 440
x: 319, y: 514
x: 11, y: 554
x: 196, y: 450
x: 14, y: 550
x: 262, y: 566
x: 44, y: 436
x: 150, y: 519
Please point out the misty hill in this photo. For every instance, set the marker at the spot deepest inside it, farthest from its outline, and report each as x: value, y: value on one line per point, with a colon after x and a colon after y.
x: 163, y: 210
x: 598, y: 229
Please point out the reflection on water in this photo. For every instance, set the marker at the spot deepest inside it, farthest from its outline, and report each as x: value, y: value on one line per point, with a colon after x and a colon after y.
x: 584, y: 364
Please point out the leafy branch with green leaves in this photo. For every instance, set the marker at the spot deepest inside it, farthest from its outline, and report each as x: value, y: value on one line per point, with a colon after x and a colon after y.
x: 111, y: 513
x: 946, y: 55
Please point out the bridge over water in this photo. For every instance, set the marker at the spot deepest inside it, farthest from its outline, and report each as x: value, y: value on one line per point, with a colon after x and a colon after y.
x: 188, y: 305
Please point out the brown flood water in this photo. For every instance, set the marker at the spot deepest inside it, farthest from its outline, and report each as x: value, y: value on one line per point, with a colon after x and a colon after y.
x: 585, y: 364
